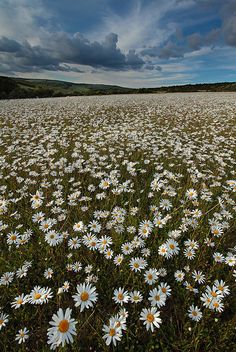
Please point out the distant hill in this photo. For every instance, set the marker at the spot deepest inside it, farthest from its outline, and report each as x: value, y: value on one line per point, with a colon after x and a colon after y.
x: 17, y: 88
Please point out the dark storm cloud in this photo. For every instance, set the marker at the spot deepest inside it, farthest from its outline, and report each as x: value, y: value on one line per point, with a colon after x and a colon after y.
x: 179, y: 44
x: 227, y: 13
x: 153, y: 67
x: 195, y: 41
x: 229, y: 22
x: 58, y: 48
x: 9, y: 45
x: 79, y: 50
x: 170, y: 49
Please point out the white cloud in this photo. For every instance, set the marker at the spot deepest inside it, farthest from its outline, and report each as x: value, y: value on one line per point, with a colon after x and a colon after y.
x: 138, y: 27
x: 19, y: 19
x: 201, y: 52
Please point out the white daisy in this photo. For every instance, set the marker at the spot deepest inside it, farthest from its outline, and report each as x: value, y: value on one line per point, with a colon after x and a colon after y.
x: 150, y: 318
x: 22, y: 335
x: 85, y: 297
x: 63, y: 327
x: 120, y: 296
x: 112, y: 333
x: 194, y: 313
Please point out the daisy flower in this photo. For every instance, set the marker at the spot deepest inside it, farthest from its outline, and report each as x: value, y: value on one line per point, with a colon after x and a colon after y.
x: 127, y: 248
x: 157, y: 298
x: 118, y: 259
x: 22, y: 335
x: 120, y: 296
x: 218, y: 257
x: 217, y: 305
x: 48, y: 273
x: 123, y: 313
x: 95, y: 226
x: 104, y: 184
x: 79, y: 226
x: 150, y: 318
x: 172, y: 246
x: 151, y: 276
x: 119, y: 321
x: 136, y: 297
x: 221, y: 287
x: 105, y: 241
x: 165, y: 288
x: 39, y: 295
x: 7, y: 278
x: 194, y: 313
x: 163, y: 250
x: 137, y: 264
x: 3, y: 320
x: 85, y: 297
x: 19, y: 301
x: 66, y: 286
x: 62, y: 330
x: 191, y: 194
x: 189, y: 253
x: 112, y: 333
x: 74, y: 243
x: 198, y: 276
x: 179, y: 275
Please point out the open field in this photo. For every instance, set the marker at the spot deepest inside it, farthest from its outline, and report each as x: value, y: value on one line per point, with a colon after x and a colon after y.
x: 119, y: 210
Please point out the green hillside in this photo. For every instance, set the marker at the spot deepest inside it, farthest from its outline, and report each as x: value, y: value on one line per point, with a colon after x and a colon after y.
x: 14, y: 88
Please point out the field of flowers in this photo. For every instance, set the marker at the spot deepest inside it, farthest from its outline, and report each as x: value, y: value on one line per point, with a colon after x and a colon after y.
x: 117, y: 227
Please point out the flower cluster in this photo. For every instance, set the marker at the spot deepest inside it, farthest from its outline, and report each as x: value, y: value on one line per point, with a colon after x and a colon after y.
x: 116, y: 218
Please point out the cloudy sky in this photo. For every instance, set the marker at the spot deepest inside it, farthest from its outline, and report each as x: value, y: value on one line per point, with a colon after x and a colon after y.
x: 134, y: 43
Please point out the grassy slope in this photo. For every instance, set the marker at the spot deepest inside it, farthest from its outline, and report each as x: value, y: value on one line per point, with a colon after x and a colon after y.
x: 31, y: 88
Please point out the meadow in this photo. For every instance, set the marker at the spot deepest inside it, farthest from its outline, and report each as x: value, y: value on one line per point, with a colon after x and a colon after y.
x: 117, y: 223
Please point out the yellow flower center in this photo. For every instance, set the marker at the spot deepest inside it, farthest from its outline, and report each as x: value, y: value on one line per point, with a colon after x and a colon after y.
x: 13, y: 237
x: 150, y: 318
x: 63, y: 326
x: 194, y: 313
x: 1, y: 322
x: 37, y: 295
x: 150, y: 277
x: 172, y: 246
x: 163, y: 289
x: 112, y: 332
x: 120, y: 296
x: 216, y: 304
x: 136, y: 265
x: 84, y: 296
x: 214, y: 294
x: 157, y: 298
x: 20, y: 301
